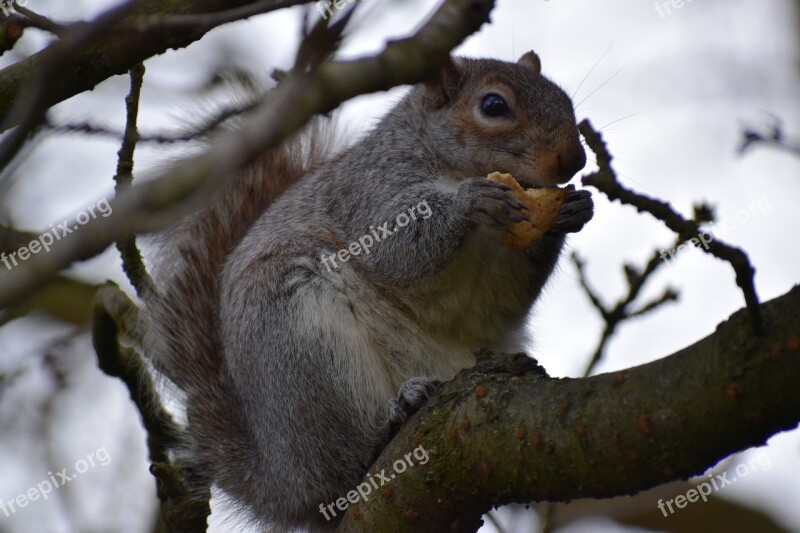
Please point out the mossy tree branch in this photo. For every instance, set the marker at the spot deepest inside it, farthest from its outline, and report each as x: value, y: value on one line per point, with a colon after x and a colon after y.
x: 502, y: 432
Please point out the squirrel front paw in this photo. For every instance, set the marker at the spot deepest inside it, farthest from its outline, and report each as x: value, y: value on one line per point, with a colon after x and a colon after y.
x: 575, y: 212
x: 413, y: 395
x: 490, y: 203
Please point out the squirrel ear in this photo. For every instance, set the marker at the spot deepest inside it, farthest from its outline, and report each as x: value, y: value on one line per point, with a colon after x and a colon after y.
x: 532, y: 61
x: 446, y: 86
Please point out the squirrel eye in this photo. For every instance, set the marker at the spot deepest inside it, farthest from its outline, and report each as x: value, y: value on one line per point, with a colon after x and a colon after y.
x: 494, y: 105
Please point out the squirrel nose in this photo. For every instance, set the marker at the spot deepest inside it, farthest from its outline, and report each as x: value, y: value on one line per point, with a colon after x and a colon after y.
x: 571, y: 158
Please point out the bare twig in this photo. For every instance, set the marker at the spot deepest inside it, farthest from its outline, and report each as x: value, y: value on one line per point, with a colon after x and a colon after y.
x: 30, y: 105
x: 115, y: 318
x: 613, y: 317
x: 772, y: 136
x: 605, y: 180
x: 584, y: 282
x: 495, y: 522
x: 618, y: 314
x: 194, y: 133
x: 40, y: 21
x: 132, y: 262
x: 320, y: 41
x: 110, y: 55
x: 548, y: 514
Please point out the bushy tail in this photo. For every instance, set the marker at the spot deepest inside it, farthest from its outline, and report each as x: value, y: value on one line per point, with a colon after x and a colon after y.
x: 181, y: 327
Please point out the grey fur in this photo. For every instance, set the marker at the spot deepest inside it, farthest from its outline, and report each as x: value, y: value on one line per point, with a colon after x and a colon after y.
x: 314, y: 360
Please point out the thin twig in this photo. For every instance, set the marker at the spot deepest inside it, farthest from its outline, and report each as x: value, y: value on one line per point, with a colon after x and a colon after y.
x: 114, y: 318
x: 613, y: 317
x: 548, y: 514
x: 605, y: 181
x: 132, y: 263
x: 584, y: 282
x: 195, y: 133
x: 30, y: 106
x: 40, y: 21
x: 773, y: 136
x: 618, y: 314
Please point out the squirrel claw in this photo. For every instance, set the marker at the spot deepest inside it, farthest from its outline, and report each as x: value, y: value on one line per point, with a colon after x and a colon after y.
x: 575, y: 212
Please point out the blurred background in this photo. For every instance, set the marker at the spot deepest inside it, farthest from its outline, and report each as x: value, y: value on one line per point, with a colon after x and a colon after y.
x: 673, y: 89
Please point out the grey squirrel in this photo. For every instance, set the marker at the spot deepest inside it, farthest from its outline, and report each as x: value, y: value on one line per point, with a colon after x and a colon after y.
x: 299, y: 343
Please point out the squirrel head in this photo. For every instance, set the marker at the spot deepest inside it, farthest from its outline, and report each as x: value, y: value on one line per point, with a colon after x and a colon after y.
x: 490, y: 115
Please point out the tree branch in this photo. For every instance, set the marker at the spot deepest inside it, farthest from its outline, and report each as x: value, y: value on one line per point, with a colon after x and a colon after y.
x: 618, y: 314
x: 132, y: 263
x: 188, y: 186
x: 194, y: 132
x: 501, y: 432
x: 110, y: 55
x: 771, y: 135
x: 30, y: 103
x: 114, y: 318
x: 208, y: 21
x: 38, y: 21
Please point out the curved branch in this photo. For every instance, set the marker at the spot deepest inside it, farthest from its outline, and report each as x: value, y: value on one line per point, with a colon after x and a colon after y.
x: 501, y: 432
